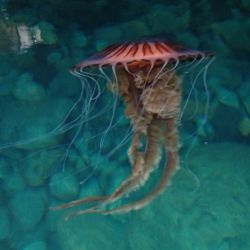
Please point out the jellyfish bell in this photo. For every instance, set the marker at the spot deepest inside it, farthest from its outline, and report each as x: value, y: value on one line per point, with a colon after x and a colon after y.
x: 145, y: 75
x: 140, y: 53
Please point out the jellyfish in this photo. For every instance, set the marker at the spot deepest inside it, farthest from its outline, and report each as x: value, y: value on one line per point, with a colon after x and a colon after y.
x: 145, y: 75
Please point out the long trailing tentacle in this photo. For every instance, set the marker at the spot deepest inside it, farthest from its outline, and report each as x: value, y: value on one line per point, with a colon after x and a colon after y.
x: 169, y: 170
x: 143, y: 164
x: 171, y: 148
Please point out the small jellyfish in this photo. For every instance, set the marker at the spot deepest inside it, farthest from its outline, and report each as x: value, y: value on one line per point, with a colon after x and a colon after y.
x: 145, y: 75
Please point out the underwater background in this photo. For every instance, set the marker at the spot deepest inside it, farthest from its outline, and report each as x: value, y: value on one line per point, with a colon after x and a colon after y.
x: 47, y: 159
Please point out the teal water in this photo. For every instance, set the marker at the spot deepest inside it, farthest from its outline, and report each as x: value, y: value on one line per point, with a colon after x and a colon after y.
x: 61, y: 139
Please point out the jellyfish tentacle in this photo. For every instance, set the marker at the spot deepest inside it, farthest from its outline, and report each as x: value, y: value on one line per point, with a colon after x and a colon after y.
x: 171, y: 148
x: 92, y: 210
x: 172, y: 164
x: 144, y: 163
x: 79, y: 202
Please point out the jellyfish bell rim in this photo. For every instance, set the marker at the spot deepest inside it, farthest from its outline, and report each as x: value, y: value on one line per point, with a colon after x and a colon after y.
x: 128, y: 53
